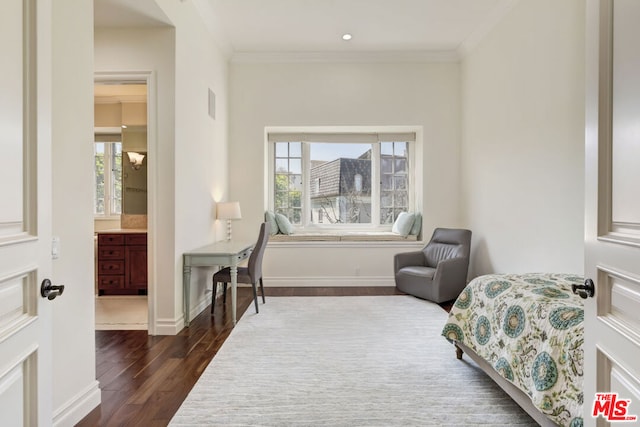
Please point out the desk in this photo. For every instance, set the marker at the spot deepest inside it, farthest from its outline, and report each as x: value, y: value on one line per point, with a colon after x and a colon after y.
x: 223, y: 253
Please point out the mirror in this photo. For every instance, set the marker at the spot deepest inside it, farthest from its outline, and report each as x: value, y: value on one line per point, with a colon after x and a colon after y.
x: 120, y: 120
x: 134, y: 177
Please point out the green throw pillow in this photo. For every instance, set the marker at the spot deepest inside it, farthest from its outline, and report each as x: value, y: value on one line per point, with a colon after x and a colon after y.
x: 270, y: 217
x: 417, y: 225
x: 403, y: 224
x: 283, y: 224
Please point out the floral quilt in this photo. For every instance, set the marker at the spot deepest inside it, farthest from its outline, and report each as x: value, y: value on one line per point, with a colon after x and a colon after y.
x: 529, y: 327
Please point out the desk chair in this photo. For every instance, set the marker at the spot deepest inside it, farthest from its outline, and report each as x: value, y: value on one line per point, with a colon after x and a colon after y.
x: 250, y: 274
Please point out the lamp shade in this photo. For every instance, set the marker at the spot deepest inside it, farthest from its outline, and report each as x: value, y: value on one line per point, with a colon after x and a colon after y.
x: 228, y: 210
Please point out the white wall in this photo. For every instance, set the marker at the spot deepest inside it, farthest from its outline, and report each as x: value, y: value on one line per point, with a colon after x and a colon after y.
x: 75, y: 389
x: 342, y: 94
x: 122, y: 50
x: 190, y: 152
x: 523, y: 138
x: 200, y: 156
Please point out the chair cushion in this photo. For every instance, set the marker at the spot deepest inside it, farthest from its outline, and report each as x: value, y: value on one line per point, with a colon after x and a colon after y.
x: 403, y: 224
x: 284, y: 224
x: 418, y: 271
x: 224, y: 275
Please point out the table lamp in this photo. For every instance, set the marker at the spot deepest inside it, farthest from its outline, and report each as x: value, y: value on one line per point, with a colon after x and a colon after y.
x: 228, y: 211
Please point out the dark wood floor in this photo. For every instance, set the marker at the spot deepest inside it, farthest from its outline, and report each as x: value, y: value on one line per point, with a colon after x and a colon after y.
x: 144, y: 379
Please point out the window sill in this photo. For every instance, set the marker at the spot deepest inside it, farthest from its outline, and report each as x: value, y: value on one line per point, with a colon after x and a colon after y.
x: 343, y: 237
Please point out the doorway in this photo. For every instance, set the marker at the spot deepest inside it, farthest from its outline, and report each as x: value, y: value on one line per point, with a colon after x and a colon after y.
x: 121, y: 226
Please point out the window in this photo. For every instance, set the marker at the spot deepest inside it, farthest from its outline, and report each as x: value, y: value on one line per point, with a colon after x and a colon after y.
x: 354, y: 180
x: 108, y: 173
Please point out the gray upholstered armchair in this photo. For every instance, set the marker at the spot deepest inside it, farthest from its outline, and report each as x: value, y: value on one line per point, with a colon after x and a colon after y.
x: 439, y: 271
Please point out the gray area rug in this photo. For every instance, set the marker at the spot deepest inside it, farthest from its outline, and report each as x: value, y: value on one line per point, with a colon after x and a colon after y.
x: 344, y: 361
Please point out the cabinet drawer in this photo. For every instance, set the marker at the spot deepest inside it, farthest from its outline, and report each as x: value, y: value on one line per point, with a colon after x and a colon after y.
x: 135, y: 239
x: 110, y: 282
x: 110, y: 239
x: 110, y: 252
x: 111, y: 267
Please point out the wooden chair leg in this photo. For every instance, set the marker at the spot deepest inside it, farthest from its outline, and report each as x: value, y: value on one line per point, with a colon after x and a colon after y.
x: 262, y: 290
x: 224, y: 292
x: 255, y: 295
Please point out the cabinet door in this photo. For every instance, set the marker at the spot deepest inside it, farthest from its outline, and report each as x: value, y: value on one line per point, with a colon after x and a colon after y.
x: 136, y: 262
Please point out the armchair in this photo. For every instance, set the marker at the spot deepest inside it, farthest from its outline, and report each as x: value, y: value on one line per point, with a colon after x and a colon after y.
x: 438, y: 272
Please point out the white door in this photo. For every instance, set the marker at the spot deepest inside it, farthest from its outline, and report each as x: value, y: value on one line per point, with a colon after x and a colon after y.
x: 612, y: 212
x: 25, y: 213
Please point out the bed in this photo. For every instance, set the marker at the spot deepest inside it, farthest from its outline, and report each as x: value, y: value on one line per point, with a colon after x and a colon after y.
x: 526, y: 332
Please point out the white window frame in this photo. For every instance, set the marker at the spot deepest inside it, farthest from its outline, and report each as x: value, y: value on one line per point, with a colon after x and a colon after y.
x: 108, y: 178
x: 274, y: 134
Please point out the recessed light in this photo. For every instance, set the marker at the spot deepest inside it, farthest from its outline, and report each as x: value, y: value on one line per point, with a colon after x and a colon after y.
x: 124, y: 126
x: 346, y: 36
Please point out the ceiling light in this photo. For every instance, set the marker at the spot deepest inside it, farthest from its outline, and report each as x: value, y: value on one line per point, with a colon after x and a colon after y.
x: 346, y: 36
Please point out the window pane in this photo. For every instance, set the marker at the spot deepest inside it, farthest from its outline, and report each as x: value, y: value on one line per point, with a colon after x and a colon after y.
x: 394, y: 194
x: 386, y: 182
x: 282, y: 200
x: 295, y: 149
x: 282, y: 165
x: 295, y: 166
x: 400, y: 182
x: 400, y: 165
x: 116, y: 178
x: 341, y: 177
x: 386, y: 165
x: 400, y: 149
x: 282, y: 149
x: 401, y: 200
x: 386, y: 216
x: 295, y: 199
x: 295, y: 182
x: 288, y: 180
x: 386, y: 199
x: 99, y: 173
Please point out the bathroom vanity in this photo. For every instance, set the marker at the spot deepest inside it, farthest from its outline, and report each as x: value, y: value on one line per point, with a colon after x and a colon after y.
x: 122, y: 262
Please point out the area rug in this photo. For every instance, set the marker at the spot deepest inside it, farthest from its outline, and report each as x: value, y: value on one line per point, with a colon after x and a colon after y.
x: 344, y: 361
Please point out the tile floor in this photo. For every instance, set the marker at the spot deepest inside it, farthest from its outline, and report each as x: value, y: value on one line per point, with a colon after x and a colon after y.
x: 121, y: 313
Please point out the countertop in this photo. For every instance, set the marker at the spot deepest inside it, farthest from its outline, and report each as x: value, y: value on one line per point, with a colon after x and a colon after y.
x: 122, y: 230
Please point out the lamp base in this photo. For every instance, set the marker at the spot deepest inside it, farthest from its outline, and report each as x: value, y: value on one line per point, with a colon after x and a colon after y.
x: 228, y: 230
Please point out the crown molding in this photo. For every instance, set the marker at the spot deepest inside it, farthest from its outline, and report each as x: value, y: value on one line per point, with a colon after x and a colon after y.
x: 345, y: 57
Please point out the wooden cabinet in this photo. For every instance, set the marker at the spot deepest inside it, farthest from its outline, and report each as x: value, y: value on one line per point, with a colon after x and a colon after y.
x: 122, y: 263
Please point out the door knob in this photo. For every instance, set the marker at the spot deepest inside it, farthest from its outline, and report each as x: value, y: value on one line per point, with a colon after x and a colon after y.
x: 49, y: 290
x: 584, y: 291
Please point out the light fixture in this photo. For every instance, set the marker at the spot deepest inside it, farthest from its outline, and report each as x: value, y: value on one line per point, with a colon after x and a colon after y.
x: 346, y: 36
x: 123, y: 126
x: 228, y: 211
x: 135, y: 159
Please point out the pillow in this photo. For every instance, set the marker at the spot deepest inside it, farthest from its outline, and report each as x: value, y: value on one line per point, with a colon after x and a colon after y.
x: 403, y: 224
x: 270, y: 217
x: 417, y: 225
x: 283, y: 224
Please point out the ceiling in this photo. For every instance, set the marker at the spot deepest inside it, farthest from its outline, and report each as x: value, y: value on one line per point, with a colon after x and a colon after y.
x: 249, y: 27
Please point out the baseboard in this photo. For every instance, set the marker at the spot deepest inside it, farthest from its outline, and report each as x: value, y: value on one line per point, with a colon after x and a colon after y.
x: 78, y: 407
x: 324, y: 281
x: 173, y: 326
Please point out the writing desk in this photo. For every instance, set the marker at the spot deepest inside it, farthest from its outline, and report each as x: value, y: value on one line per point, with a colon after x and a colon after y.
x: 224, y: 253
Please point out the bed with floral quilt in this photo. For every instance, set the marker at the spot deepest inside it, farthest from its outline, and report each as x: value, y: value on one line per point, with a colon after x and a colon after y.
x: 526, y: 332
